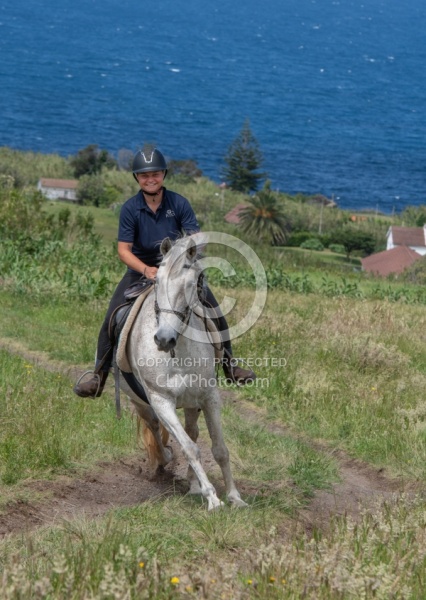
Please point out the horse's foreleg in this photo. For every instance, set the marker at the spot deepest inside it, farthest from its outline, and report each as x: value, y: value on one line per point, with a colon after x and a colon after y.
x: 191, y: 428
x: 154, y: 437
x: 167, y: 414
x: 219, y: 450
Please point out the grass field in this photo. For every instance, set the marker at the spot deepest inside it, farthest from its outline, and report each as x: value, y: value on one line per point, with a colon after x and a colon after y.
x: 337, y: 416
x: 353, y: 378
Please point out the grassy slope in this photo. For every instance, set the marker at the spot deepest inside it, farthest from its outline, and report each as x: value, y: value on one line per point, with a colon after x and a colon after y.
x: 341, y: 382
x: 354, y: 375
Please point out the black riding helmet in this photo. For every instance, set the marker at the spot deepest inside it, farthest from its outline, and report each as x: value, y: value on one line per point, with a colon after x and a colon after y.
x: 147, y: 161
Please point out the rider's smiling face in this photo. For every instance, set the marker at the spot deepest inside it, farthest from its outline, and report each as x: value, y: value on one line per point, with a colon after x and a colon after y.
x: 151, y: 182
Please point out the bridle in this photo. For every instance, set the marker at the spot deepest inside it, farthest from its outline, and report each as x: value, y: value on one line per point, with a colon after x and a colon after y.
x: 186, y: 314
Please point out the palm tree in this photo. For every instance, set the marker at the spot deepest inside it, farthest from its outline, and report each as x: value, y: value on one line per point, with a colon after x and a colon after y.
x: 264, y: 218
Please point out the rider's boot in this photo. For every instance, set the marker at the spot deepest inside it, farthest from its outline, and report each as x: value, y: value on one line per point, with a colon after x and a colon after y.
x: 235, y: 373
x: 92, y: 388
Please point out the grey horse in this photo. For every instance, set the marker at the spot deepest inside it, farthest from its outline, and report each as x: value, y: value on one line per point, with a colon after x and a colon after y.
x: 171, y: 354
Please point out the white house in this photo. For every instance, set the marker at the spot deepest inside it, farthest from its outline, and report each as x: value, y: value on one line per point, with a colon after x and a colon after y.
x: 58, y: 189
x: 411, y: 237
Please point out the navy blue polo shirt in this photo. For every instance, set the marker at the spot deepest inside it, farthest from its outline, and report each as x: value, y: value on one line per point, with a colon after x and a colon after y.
x: 146, y: 230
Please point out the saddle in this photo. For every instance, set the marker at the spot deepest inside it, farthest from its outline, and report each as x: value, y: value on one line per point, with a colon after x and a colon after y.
x: 120, y: 324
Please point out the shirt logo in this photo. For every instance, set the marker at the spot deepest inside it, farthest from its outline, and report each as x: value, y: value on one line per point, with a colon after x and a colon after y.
x: 170, y: 213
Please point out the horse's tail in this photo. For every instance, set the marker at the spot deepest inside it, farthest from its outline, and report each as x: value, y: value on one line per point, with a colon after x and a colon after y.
x: 155, y: 456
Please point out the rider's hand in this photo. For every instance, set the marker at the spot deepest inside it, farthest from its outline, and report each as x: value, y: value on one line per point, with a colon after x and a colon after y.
x: 150, y: 272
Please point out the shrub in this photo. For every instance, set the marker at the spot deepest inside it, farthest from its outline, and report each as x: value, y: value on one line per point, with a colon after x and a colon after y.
x: 325, y: 240
x: 338, y: 248
x: 92, y: 190
x: 416, y: 273
x: 298, y: 237
x: 312, y: 244
x: 21, y: 213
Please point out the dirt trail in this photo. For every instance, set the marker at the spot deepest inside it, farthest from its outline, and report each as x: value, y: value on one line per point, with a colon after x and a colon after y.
x: 124, y: 483
x: 361, y: 485
x: 127, y: 482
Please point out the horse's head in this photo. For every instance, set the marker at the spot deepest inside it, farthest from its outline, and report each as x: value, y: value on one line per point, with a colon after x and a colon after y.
x: 176, y: 290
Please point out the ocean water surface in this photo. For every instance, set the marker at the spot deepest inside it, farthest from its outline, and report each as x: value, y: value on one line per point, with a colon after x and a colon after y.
x: 335, y: 90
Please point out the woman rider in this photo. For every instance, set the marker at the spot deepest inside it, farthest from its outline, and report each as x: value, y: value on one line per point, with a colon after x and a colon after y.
x: 145, y: 220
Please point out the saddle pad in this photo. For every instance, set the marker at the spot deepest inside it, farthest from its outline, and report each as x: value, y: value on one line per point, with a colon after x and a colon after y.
x: 121, y: 357
x: 122, y: 360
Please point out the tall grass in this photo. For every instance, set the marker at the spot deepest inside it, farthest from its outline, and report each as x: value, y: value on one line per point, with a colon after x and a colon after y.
x: 45, y: 429
x: 352, y: 372
x: 26, y: 168
x: 89, y: 270
x: 167, y: 550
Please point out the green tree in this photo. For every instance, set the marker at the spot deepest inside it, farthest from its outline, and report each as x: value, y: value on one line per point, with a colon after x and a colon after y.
x: 354, y: 240
x: 264, y: 217
x: 186, y: 169
x: 91, y: 160
x: 95, y: 190
x: 244, y: 160
x: 414, y: 216
x: 91, y: 190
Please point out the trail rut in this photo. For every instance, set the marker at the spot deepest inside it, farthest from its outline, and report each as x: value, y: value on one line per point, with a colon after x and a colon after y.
x: 127, y: 482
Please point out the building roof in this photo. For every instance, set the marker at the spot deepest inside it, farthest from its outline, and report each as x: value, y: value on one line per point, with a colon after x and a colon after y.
x: 408, y: 236
x: 320, y: 199
x: 233, y: 215
x: 68, y: 184
x: 390, y: 261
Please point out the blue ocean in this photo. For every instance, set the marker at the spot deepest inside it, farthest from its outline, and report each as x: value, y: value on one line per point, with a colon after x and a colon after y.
x: 335, y: 90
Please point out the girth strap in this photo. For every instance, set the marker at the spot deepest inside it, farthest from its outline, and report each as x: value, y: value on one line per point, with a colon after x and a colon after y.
x: 135, y: 386
x: 117, y: 385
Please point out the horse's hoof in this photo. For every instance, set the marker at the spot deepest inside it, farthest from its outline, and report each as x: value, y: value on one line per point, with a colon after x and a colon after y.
x: 238, y: 503
x: 215, y: 505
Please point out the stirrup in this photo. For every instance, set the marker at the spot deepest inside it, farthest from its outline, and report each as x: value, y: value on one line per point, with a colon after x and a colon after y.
x: 232, y: 363
x: 95, y: 374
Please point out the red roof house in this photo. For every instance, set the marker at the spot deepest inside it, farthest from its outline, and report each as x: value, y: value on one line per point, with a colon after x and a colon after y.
x: 233, y: 215
x: 390, y: 261
x: 412, y: 237
x: 58, y: 189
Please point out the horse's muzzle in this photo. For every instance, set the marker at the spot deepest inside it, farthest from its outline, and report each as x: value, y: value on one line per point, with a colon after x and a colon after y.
x: 164, y: 344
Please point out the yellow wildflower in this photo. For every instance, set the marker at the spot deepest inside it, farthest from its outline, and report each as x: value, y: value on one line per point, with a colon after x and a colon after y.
x: 174, y: 580
x: 249, y: 581
x: 141, y: 564
x: 272, y: 579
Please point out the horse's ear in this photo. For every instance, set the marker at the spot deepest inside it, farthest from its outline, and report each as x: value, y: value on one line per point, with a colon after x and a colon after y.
x: 191, y: 251
x: 166, y: 244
